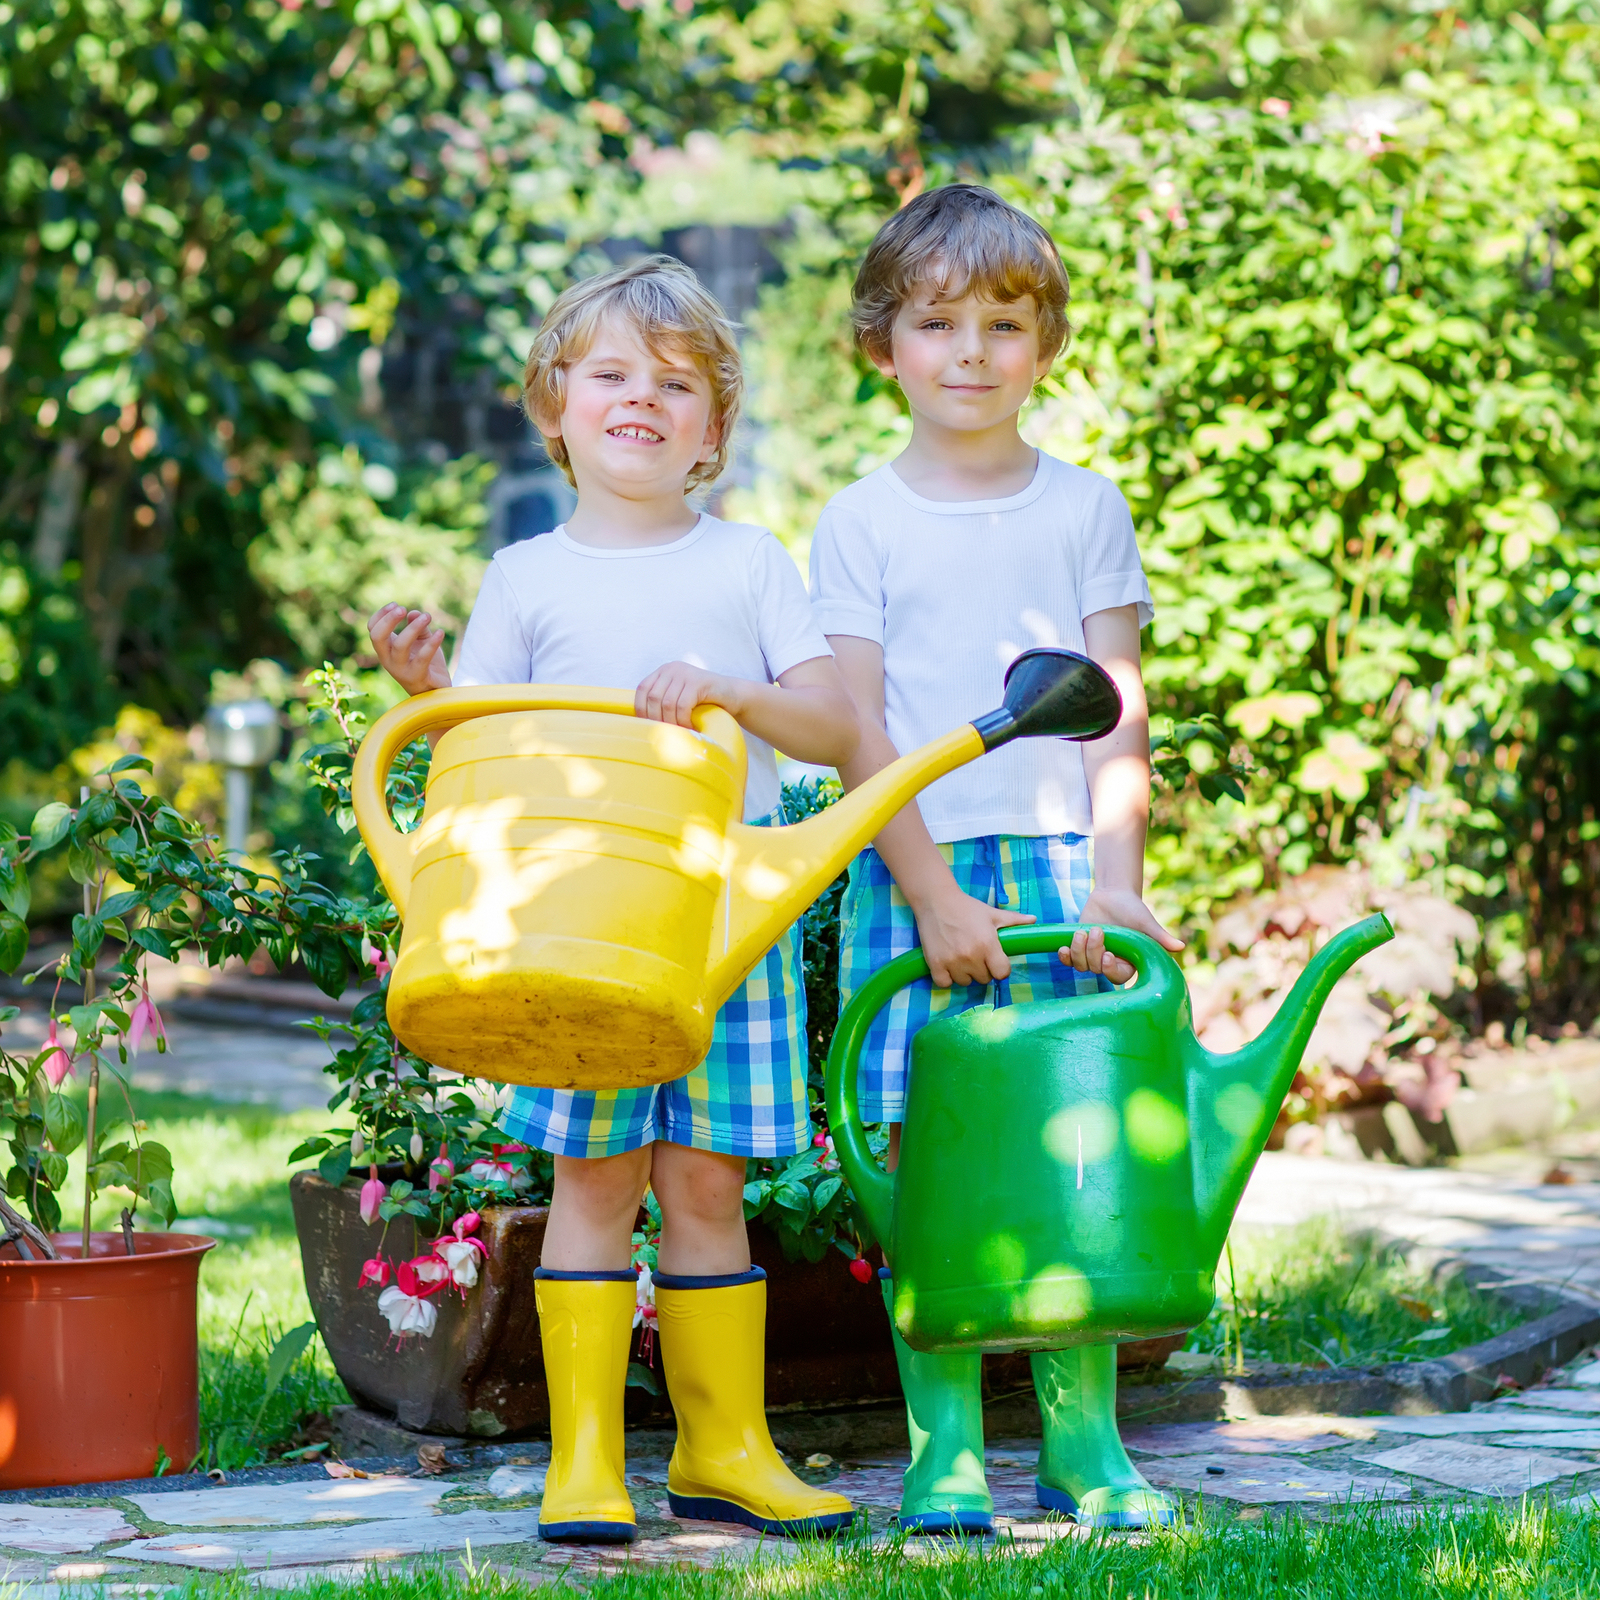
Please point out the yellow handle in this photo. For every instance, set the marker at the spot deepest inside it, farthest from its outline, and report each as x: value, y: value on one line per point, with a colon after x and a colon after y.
x: 392, y: 851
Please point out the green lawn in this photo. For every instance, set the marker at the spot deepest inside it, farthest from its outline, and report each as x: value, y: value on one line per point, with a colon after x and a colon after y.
x: 1319, y: 1295
x: 1528, y: 1549
x: 229, y: 1163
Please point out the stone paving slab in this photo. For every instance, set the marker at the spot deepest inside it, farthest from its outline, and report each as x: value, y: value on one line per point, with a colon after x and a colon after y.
x: 1269, y: 1480
x: 60, y: 1530
x: 287, y: 1505
x: 1578, y: 1439
x: 1493, y: 1420
x: 1262, y: 1436
x: 1478, y: 1468
x: 304, y: 1547
x: 1580, y: 1400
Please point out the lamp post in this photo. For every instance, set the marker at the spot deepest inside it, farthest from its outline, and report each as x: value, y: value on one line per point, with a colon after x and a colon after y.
x: 242, y: 737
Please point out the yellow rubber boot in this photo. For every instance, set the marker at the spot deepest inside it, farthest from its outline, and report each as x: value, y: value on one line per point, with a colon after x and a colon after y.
x: 725, y: 1467
x: 586, y: 1325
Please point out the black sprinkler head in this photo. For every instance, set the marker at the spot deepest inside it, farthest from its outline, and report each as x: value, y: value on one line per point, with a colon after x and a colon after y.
x: 1053, y: 694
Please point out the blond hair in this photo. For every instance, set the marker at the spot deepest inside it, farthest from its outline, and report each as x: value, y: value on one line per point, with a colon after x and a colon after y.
x: 960, y: 239
x: 669, y: 308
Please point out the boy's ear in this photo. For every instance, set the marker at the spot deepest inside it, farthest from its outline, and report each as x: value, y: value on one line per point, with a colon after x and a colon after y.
x: 883, y: 360
x: 712, y: 441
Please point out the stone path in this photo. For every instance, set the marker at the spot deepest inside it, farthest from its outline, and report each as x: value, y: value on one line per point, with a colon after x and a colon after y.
x: 1544, y: 1235
x: 284, y: 1534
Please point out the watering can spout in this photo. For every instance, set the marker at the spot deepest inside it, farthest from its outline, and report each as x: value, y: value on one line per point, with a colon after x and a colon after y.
x: 1235, y: 1099
x: 773, y: 874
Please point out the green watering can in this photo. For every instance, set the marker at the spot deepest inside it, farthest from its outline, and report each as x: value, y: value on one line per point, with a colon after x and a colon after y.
x: 1069, y: 1168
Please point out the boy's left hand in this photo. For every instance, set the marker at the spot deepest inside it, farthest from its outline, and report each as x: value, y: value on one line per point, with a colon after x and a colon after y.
x: 1121, y: 908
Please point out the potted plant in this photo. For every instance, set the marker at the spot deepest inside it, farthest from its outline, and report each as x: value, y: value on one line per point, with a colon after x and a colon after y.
x: 80, y: 1401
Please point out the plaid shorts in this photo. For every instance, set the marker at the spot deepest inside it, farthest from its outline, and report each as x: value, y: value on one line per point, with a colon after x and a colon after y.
x: 1050, y: 876
x: 747, y: 1098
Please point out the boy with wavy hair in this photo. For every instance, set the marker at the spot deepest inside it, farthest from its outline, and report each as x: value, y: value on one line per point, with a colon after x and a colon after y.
x: 634, y: 380
x: 929, y: 576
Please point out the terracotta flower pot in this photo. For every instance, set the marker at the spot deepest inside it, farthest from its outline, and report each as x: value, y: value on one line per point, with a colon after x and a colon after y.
x: 100, y: 1366
x: 482, y: 1371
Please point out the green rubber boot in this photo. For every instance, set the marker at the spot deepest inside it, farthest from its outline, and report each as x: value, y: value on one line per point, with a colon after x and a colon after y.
x: 1083, y: 1469
x: 944, y: 1488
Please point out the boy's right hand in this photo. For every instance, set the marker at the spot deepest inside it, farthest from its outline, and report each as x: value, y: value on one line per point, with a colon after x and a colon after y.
x: 960, y: 938
x: 408, y: 650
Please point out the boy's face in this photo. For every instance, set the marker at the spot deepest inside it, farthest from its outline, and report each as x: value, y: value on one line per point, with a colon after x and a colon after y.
x: 635, y: 421
x: 966, y: 364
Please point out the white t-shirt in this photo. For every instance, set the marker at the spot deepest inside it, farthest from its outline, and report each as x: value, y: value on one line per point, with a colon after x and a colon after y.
x: 726, y: 597
x: 954, y: 591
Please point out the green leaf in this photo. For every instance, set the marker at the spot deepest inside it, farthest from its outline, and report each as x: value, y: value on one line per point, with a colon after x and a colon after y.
x: 63, y: 1122
x: 309, y: 1147
x: 49, y: 826
x: 158, y: 1196
x: 153, y: 940
x: 13, y: 941
x: 119, y: 905
x: 126, y: 763
x: 334, y: 1167
x: 641, y: 1377
x: 283, y: 1356
x: 88, y: 934
x: 15, y: 894
x: 54, y: 1168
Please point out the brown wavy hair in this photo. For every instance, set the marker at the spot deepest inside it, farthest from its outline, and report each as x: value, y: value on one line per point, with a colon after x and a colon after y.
x: 960, y: 239
x: 671, y: 310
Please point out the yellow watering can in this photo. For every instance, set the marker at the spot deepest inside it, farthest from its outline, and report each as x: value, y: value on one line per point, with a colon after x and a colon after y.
x: 581, y: 896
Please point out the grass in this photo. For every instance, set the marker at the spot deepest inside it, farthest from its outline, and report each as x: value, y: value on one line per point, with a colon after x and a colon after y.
x: 232, y: 1183
x: 1523, y: 1551
x: 1322, y: 1295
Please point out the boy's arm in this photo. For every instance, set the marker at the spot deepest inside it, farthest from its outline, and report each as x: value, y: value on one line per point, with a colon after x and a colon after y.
x: 806, y: 714
x: 1118, y: 770
x: 958, y: 933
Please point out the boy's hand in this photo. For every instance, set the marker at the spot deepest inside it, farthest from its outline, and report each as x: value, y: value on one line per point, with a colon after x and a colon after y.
x: 1121, y: 908
x: 408, y: 650
x: 960, y: 938
x: 671, y: 693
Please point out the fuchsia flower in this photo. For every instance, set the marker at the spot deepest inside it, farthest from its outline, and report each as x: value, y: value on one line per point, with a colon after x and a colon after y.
x: 1276, y: 107
x: 58, y: 1063
x: 442, y: 1170
x: 861, y: 1270
x: 498, y: 1170
x: 146, y: 1019
x: 406, y: 1305
x: 431, y: 1273
x: 374, y: 1271
x: 373, y: 955
x: 372, y: 1193
x: 461, y: 1255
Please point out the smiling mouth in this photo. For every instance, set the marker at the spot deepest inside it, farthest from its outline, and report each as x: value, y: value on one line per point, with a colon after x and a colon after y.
x: 972, y: 388
x: 634, y: 430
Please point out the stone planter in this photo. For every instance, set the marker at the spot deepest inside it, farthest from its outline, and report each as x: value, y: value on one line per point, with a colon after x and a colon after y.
x: 482, y: 1372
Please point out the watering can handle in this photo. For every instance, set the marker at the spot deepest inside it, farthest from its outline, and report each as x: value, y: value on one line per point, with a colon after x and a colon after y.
x: 392, y: 851
x: 872, y: 1186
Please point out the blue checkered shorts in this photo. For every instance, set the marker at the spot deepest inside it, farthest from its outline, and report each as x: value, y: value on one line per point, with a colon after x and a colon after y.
x: 1050, y: 876
x: 747, y: 1098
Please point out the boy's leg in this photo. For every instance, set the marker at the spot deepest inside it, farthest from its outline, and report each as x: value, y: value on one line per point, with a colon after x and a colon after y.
x: 586, y: 1292
x: 945, y: 1490
x: 1083, y: 1467
x: 748, y: 1098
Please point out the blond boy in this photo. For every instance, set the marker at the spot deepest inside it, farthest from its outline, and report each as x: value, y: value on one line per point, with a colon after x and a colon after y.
x: 634, y: 380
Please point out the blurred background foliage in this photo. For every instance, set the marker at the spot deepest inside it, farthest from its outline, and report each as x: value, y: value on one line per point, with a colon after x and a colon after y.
x: 268, y: 271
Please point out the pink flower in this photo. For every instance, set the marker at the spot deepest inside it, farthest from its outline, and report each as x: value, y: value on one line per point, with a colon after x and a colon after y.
x: 820, y: 1142
x: 442, y: 1170
x: 430, y: 1273
x: 372, y: 1193
x: 406, y: 1305
x: 461, y: 1255
x: 861, y: 1270
x: 644, y: 1313
x: 57, y: 1064
x: 374, y: 1271
x: 146, y: 1019
x: 1276, y: 107
x: 498, y: 1170
x: 373, y: 955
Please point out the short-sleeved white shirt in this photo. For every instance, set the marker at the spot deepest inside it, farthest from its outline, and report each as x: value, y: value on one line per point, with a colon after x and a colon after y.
x: 954, y: 591
x: 726, y: 597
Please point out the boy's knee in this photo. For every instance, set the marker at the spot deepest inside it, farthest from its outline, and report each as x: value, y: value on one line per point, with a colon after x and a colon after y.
x: 701, y: 1185
x: 606, y: 1184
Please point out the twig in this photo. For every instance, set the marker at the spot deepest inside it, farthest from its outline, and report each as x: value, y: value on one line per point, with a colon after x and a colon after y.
x: 20, y: 1228
x: 94, y: 1074
x: 127, y: 1229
